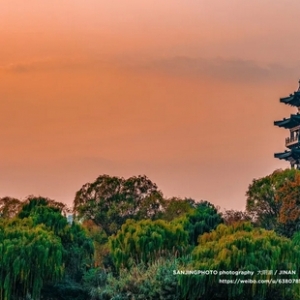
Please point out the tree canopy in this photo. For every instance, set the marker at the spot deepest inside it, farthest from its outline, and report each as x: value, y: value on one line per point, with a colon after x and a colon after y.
x: 203, y: 217
x: 38, y: 247
x: 240, y: 247
x: 110, y: 201
x: 263, y: 200
x: 145, y: 241
x: 126, y: 241
x: 288, y: 196
x: 29, y: 257
x: 9, y: 207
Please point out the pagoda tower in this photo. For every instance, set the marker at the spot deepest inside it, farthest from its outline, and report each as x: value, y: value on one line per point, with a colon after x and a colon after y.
x: 293, y: 124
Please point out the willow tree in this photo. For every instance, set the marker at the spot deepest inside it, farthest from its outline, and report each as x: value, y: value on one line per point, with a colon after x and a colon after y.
x: 203, y: 217
x: 78, y: 247
x: 240, y: 247
x: 100, y: 240
x: 29, y: 257
x: 145, y: 241
x: 32, y: 202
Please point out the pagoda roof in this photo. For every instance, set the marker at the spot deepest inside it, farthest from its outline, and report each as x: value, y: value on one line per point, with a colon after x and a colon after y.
x: 291, y: 155
x: 291, y: 122
x: 292, y: 99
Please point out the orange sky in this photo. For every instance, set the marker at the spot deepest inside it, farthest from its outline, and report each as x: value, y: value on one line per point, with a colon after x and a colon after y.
x: 185, y: 92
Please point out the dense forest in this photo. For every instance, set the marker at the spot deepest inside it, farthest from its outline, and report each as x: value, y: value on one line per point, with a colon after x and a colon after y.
x: 124, y: 240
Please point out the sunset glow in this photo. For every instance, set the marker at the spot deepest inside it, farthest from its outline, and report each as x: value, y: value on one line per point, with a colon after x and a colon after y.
x: 184, y: 92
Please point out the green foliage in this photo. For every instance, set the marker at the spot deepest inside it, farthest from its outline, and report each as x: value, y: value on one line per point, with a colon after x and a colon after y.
x: 153, y: 282
x: 204, y: 217
x: 42, y: 247
x: 110, y: 201
x: 100, y: 240
x: 176, y: 207
x: 95, y: 282
x: 29, y: 257
x: 32, y: 203
x: 273, y: 201
x: 78, y: 248
x: 146, y: 241
x: 236, y: 248
x: 262, y: 201
x: 65, y: 289
x: 138, y: 239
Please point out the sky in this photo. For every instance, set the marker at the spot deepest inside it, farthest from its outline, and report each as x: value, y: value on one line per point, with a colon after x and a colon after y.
x: 185, y: 92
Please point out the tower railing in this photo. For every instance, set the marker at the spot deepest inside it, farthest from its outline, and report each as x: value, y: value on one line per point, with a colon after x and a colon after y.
x: 291, y: 140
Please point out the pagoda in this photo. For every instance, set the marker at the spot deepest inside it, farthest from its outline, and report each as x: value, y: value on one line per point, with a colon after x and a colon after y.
x: 293, y: 124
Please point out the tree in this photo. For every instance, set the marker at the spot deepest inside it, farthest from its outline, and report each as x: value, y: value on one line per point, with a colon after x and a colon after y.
x: 44, y: 211
x: 233, y: 216
x: 240, y: 247
x: 289, y: 214
x: 176, y: 207
x: 32, y: 202
x: 9, y: 207
x: 77, y: 247
x: 204, y: 217
x: 145, y: 241
x: 262, y: 200
x: 110, y: 201
x: 29, y: 257
x: 153, y: 281
x: 100, y: 241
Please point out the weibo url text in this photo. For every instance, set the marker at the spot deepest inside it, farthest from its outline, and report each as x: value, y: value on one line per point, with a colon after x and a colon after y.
x: 261, y: 281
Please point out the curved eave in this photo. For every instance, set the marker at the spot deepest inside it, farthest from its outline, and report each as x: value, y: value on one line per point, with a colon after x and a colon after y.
x: 294, y: 154
x: 292, y: 122
x: 293, y: 99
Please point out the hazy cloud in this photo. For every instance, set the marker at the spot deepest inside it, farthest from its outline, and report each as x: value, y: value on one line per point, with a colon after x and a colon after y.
x: 238, y: 70
x: 46, y: 64
x: 225, y: 69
